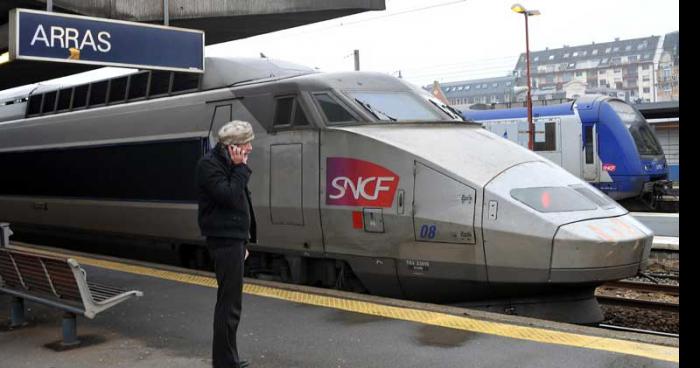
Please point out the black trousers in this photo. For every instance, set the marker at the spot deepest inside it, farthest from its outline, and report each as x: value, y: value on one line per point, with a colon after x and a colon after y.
x: 228, y: 256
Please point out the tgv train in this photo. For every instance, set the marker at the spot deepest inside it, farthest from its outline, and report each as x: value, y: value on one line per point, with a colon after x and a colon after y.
x: 356, y: 176
x: 603, y: 140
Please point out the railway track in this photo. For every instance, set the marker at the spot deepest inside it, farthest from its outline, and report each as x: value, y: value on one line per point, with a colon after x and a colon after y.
x: 644, y: 287
x: 638, y: 303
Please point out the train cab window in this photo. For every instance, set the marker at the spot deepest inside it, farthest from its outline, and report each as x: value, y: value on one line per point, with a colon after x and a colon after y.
x: 289, y: 112
x: 299, y: 116
x: 644, y: 138
x: 283, y: 111
x: 64, y: 97
x: 80, y: 96
x: 34, y: 106
x: 138, y: 85
x: 185, y: 82
x: 334, y: 112
x: 49, y: 103
x: 550, y: 138
x: 117, y: 89
x: 395, y: 106
x: 160, y: 83
x: 98, y: 93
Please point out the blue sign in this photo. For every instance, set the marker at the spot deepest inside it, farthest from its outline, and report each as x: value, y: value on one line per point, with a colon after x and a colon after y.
x: 39, y: 35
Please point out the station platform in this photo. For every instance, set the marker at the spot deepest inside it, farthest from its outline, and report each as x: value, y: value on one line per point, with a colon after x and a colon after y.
x: 296, y: 326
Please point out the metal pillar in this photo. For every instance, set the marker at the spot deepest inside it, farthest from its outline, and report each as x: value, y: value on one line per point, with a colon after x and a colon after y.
x: 5, y: 234
x: 17, y: 313
x: 70, y: 336
x: 530, y: 125
x: 357, y: 59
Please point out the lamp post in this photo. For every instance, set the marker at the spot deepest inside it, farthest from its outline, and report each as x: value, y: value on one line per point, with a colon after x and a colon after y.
x: 530, y: 126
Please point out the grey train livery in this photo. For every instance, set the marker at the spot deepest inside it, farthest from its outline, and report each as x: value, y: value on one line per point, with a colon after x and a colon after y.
x: 358, y: 179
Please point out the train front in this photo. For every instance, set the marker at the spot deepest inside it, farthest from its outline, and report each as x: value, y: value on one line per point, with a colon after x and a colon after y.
x: 631, y: 153
x: 442, y: 210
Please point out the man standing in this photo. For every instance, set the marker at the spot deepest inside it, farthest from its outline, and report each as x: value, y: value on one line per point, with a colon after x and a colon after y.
x: 227, y: 221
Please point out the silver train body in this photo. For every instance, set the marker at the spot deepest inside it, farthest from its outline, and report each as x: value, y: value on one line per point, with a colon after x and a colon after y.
x: 358, y: 169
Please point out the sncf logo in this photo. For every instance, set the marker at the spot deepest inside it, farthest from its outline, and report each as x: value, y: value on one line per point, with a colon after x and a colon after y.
x: 351, y: 182
x: 609, y: 167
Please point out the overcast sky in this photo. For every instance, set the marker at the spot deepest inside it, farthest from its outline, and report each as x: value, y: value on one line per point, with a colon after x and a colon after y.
x: 447, y: 40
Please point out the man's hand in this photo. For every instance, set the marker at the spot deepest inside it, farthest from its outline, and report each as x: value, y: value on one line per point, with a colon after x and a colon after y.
x: 238, y: 155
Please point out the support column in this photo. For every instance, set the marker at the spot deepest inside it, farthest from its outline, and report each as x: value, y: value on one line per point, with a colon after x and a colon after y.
x: 17, y: 313
x: 70, y: 336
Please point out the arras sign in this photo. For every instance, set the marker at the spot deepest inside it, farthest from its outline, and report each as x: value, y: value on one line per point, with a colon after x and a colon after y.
x: 46, y: 36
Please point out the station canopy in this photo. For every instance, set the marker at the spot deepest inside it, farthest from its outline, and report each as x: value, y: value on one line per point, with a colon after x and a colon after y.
x: 221, y: 21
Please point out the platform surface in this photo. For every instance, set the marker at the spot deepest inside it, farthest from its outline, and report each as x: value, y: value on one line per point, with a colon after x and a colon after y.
x: 288, y: 326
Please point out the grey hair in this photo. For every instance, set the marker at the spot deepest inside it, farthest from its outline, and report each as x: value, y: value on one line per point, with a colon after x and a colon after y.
x: 236, y: 132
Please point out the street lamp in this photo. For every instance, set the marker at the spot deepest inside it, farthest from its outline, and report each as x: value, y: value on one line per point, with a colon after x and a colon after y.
x: 530, y: 126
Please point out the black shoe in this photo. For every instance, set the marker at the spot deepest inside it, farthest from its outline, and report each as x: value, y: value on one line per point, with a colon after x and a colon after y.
x: 243, y: 363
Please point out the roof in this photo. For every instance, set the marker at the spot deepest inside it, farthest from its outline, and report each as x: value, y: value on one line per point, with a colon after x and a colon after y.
x: 592, y: 55
x: 478, y: 87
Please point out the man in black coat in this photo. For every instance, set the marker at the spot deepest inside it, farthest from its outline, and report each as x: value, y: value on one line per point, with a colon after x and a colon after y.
x: 227, y: 221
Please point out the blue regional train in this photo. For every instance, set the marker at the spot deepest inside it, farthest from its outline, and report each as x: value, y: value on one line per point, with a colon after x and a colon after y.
x: 601, y: 139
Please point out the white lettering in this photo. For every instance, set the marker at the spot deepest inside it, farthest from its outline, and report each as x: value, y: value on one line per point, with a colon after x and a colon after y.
x: 341, y: 189
x: 72, y: 38
x: 342, y: 183
x: 88, y: 40
x: 40, y: 35
x: 105, y: 46
x: 57, y: 33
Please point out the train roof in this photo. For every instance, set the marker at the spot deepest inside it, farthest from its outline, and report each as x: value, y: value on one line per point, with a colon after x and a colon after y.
x: 584, y: 105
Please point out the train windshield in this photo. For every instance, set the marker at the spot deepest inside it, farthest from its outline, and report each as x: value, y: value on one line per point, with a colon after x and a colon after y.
x: 644, y: 138
x: 395, y: 106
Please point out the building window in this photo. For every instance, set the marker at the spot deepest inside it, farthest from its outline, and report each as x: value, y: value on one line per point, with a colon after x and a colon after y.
x: 594, y: 52
x: 536, y: 59
x: 602, y: 83
x: 579, y: 74
x: 466, y: 88
x: 616, y: 49
x: 646, y: 89
x: 628, y: 48
x: 485, y: 85
x: 618, y: 71
x: 607, y: 51
x: 575, y: 54
x: 494, y: 85
x: 641, y: 46
x: 584, y: 53
x: 566, y: 55
x: 645, y: 67
x: 551, y: 57
x: 632, y: 58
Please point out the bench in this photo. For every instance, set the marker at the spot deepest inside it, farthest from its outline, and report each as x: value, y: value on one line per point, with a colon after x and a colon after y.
x: 57, y: 282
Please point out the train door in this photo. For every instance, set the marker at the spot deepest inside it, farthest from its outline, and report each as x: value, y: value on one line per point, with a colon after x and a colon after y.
x: 292, y: 218
x: 591, y: 161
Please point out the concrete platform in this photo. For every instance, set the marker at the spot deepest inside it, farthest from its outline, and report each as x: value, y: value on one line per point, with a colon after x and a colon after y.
x: 292, y: 326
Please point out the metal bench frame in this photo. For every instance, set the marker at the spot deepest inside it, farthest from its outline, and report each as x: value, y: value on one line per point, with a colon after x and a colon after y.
x: 91, y: 306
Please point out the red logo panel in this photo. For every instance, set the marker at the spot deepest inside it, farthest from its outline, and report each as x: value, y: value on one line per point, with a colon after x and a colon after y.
x: 352, y: 182
x: 609, y: 167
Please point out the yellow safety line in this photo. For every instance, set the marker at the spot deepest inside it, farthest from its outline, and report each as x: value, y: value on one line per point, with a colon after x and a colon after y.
x: 658, y: 352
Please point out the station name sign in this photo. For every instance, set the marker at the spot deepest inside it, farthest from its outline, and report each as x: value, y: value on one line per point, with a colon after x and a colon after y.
x: 46, y: 36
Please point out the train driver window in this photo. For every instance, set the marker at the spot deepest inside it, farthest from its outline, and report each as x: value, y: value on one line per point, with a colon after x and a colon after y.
x: 288, y: 112
x: 550, y: 138
x: 334, y: 112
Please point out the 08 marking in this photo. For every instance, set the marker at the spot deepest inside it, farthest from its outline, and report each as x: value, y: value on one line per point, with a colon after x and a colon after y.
x: 428, y: 231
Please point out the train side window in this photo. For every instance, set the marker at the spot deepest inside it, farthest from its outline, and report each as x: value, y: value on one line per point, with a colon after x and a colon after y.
x: 283, y: 111
x: 138, y: 85
x: 588, y: 141
x: 183, y: 82
x: 117, y: 89
x: 550, y: 138
x: 49, y: 103
x: 334, y: 112
x: 98, y: 93
x: 64, y: 97
x: 160, y: 83
x: 80, y: 96
x: 34, y: 106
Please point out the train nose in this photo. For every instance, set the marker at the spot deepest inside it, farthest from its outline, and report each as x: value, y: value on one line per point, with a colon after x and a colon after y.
x: 600, y: 250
